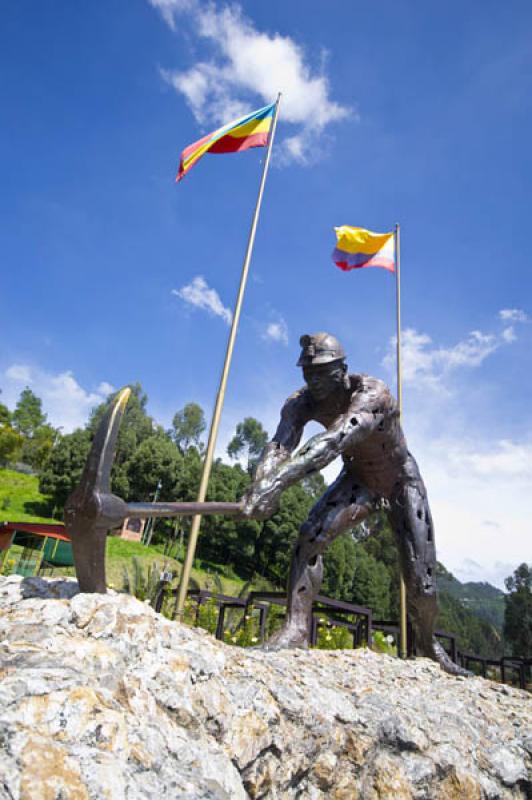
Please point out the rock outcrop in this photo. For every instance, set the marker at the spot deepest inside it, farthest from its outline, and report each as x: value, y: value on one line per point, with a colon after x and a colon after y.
x: 100, y: 697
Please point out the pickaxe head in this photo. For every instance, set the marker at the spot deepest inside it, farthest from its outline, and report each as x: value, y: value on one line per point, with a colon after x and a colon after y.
x: 91, y: 510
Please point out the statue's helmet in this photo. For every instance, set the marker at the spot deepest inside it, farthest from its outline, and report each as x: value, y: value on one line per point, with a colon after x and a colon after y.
x: 319, y: 348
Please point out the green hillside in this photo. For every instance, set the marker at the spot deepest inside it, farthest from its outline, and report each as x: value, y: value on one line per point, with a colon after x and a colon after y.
x: 483, y: 599
x: 20, y: 498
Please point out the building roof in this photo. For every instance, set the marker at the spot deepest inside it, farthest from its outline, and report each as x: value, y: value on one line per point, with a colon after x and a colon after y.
x: 56, y: 531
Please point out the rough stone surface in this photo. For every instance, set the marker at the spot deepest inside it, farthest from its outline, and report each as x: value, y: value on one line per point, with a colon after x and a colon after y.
x: 102, y: 698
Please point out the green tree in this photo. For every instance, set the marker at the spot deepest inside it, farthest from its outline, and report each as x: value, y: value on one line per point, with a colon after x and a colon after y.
x: 11, y: 442
x: 225, y: 539
x: 379, y: 541
x: 279, y: 533
x: 155, y: 459
x: 62, y: 471
x: 475, y: 635
x: 136, y: 424
x: 187, y: 426
x: 518, y: 611
x: 249, y: 440
x: 371, y: 583
x: 38, y: 436
x: 339, y: 563
x: 28, y: 416
x: 37, y: 448
x: 5, y: 414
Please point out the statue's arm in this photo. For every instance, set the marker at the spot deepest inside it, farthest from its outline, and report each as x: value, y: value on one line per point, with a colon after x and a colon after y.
x: 286, y: 437
x: 360, y: 420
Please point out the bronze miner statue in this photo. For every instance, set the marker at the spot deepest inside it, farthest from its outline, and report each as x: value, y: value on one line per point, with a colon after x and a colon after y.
x: 361, y: 422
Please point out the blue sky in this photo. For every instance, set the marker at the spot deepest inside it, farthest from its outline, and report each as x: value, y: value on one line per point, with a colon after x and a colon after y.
x: 412, y: 112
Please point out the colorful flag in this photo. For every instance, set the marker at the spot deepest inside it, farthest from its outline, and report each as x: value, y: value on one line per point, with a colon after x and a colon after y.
x: 241, y: 134
x: 357, y: 248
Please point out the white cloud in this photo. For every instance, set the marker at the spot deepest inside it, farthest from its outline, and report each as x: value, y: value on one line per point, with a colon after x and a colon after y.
x: 198, y: 293
x: 508, y: 334
x: 513, y: 315
x: 169, y: 9
x: 105, y: 388
x: 64, y: 400
x: 427, y: 365
x: 470, y: 570
x: 477, y: 487
x: 247, y: 63
x: 480, y: 500
x: 277, y: 332
x: 19, y: 373
x: 505, y: 459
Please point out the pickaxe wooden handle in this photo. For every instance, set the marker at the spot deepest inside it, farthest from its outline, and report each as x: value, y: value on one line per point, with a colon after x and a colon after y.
x: 91, y: 510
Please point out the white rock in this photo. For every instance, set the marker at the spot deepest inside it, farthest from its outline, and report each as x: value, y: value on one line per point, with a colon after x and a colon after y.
x: 102, y: 698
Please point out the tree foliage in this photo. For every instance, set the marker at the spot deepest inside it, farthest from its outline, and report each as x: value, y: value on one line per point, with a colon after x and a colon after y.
x: 25, y: 435
x: 62, y: 471
x: 5, y: 414
x: 249, y: 441
x: 28, y: 416
x: 188, y: 425
x: 155, y: 459
x: 11, y: 442
x: 518, y: 611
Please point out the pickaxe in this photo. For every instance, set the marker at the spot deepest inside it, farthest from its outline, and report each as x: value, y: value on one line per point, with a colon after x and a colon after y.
x: 91, y: 510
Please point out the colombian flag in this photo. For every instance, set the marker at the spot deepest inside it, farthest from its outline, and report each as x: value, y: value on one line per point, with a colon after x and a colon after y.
x: 357, y: 248
x: 241, y: 134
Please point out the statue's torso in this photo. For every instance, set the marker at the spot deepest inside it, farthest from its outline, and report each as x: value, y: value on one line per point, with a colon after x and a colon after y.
x: 381, y: 460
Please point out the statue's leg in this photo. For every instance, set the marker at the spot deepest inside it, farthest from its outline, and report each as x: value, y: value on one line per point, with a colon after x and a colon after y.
x: 343, y: 505
x: 411, y: 520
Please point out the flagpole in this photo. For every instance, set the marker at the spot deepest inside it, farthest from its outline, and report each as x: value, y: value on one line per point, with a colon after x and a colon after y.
x: 403, y: 643
x: 215, y: 422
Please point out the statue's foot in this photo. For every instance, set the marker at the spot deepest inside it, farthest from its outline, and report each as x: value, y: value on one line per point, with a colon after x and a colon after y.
x: 287, y: 638
x: 437, y: 653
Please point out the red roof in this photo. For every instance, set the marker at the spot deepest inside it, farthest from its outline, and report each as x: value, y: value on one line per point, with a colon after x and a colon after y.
x: 39, y: 529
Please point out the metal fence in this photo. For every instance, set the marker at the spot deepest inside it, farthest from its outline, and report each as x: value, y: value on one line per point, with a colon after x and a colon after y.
x: 361, y: 625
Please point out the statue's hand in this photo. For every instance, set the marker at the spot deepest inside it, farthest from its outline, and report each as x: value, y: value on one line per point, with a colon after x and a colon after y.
x: 272, y: 455
x: 261, y: 500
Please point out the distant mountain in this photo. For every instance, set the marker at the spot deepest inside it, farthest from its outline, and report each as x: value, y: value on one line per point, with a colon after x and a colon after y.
x: 485, y: 600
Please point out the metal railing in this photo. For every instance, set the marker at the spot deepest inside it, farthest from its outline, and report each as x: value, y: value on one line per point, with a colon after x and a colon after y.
x: 359, y: 622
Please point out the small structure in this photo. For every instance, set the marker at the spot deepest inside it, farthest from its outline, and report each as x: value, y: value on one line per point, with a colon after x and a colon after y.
x: 131, y: 530
x: 34, y: 546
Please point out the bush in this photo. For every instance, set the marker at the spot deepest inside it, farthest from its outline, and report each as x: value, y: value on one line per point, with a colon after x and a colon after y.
x: 333, y: 637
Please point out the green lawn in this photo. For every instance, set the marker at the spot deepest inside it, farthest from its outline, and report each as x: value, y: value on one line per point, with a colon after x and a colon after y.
x: 20, y: 499
x: 120, y: 554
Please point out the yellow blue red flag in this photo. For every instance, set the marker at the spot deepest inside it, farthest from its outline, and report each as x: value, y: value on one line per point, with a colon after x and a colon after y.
x: 357, y: 248
x: 240, y: 134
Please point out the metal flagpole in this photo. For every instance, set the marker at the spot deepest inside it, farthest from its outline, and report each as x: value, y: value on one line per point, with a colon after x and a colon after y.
x: 403, y: 645
x: 215, y: 422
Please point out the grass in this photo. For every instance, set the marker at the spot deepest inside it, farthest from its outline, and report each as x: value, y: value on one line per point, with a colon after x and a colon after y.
x: 20, y: 498
x: 121, y: 552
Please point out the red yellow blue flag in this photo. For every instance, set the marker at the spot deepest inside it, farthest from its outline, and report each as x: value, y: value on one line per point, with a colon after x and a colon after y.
x: 357, y: 248
x: 241, y: 134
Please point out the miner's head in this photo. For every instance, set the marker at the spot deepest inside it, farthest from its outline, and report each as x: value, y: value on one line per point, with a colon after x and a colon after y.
x: 323, y: 361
